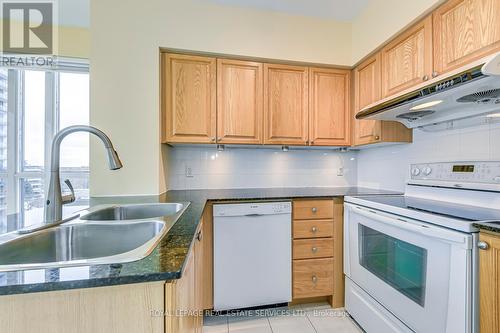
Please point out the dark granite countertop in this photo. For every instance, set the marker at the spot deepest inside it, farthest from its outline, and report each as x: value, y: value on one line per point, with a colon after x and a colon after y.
x: 167, y: 260
x: 488, y: 226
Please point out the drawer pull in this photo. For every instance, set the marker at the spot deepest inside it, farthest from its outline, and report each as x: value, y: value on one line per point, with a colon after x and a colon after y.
x: 483, y: 245
x: 314, y: 249
x: 314, y: 279
x: 314, y: 229
x: 314, y: 209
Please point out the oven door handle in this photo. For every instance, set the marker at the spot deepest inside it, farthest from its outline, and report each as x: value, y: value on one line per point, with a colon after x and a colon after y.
x: 414, y: 226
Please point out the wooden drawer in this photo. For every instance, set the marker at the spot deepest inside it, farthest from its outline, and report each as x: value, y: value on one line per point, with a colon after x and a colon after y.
x: 312, y: 248
x: 312, y: 228
x: 312, y: 209
x: 312, y: 278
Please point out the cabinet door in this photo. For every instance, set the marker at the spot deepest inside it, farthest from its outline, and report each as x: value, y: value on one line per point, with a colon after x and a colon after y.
x: 489, y: 284
x: 199, y: 289
x: 180, y: 301
x: 207, y: 234
x: 367, y: 90
x: 407, y: 60
x: 329, y: 121
x: 464, y: 31
x: 285, y: 104
x: 189, y: 84
x: 239, y: 101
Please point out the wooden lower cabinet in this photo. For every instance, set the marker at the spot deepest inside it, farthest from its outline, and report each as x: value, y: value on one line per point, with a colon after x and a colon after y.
x: 128, y: 308
x: 317, y: 250
x: 184, y: 300
x: 154, y: 307
x: 180, y: 301
x: 312, y: 277
x: 312, y: 248
x: 489, y: 283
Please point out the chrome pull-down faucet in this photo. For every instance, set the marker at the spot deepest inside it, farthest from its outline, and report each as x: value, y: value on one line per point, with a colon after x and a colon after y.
x: 55, y: 199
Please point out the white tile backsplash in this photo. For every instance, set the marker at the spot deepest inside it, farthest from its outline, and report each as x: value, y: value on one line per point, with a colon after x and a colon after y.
x: 388, y: 167
x: 378, y: 167
x: 258, y: 167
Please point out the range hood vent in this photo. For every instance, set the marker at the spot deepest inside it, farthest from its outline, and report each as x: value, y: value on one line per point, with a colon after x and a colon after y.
x: 482, y: 97
x: 473, y: 92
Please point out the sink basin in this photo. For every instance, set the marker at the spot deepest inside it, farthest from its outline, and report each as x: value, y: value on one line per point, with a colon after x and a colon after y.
x: 107, y: 235
x: 79, y: 241
x: 134, y: 212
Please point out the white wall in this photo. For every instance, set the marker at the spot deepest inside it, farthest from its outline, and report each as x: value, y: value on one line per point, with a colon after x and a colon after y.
x: 244, y: 168
x: 125, y: 39
x: 388, y: 167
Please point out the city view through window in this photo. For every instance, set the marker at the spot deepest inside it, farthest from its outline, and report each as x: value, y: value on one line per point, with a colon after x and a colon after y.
x: 34, y: 106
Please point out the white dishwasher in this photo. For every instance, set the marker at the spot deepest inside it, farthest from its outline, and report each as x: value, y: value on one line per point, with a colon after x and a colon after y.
x: 252, y: 254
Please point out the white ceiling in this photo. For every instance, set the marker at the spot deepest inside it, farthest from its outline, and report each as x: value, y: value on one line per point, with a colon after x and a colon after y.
x: 342, y: 10
x: 74, y: 13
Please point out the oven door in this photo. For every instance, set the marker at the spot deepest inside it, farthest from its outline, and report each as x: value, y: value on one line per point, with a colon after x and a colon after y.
x: 418, y: 271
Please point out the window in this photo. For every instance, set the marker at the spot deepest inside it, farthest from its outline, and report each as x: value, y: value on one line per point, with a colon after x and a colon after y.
x: 34, y: 106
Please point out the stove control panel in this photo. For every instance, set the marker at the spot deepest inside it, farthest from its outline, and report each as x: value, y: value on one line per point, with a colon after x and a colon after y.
x: 487, y: 172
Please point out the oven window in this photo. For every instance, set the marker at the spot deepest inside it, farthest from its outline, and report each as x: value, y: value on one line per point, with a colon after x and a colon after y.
x: 400, y: 264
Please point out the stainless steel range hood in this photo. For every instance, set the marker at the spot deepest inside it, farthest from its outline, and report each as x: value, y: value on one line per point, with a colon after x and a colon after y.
x: 473, y: 92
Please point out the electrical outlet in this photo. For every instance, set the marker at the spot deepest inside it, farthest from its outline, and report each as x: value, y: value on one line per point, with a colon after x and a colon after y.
x: 188, y: 171
x: 340, y: 172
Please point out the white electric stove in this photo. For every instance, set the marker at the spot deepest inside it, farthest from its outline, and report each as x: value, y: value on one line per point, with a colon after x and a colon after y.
x: 411, y: 260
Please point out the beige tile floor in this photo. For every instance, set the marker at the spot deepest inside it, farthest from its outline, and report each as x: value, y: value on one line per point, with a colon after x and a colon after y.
x: 305, y: 318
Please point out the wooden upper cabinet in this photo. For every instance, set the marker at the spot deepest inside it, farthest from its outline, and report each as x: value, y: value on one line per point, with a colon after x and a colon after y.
x: 407, y: 60
x: 367, y: 90
x: 239, y: 101
x: 285, y: 104
x: 464, y: 31
x: 329, y: 108
x: 489, y: 284
x: 189, y: 91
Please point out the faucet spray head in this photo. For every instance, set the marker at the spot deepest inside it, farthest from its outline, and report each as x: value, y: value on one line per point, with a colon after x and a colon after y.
x: 113, y: 159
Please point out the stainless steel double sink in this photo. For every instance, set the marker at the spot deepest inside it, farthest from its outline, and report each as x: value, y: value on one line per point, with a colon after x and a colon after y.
x: 104, y: 235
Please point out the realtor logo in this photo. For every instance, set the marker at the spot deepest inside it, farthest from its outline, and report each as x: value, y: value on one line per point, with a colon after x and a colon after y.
x: 28, y: 27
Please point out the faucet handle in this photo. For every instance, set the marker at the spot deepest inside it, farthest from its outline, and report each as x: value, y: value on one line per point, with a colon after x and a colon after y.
x: 69, y: 198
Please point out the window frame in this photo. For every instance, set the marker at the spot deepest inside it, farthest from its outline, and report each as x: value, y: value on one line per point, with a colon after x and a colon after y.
x: 15, y: 173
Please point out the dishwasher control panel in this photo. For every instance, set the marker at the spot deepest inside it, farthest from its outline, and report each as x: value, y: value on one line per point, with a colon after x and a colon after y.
x: 253, y: 209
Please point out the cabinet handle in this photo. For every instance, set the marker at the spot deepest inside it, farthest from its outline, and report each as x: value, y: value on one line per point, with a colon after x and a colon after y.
x: 314, y: 210
x: 377, y: 137
x: 314, y: 229
x: 312, y: 142
x: 483, y: 245
x: 425, y: 78
x: 213, y: 139
x: 435, y: 74
x: 199, y: 237
x: 314, y: 279
x: 314, y: 249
